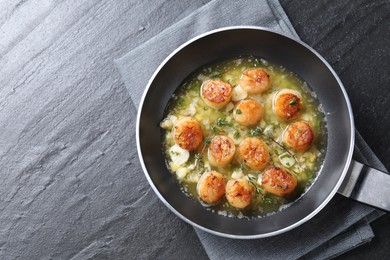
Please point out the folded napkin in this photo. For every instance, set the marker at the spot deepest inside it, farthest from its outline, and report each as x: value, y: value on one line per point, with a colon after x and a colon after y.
x: 342, y: 225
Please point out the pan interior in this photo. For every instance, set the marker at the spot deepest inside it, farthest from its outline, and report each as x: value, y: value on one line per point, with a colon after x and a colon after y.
x: 278, y: 49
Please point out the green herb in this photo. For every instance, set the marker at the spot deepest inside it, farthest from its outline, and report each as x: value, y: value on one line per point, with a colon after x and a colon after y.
x: 267, y: 200
x: 173, y: 152
x: 256, y: 132
x: 215, y: 74
x: 288, y: 164
x: 181, y: 102
x: 195, y: 87
x: 276, y: 152
x: 243, y: 167
x: 280, y: 186
x: 252, y: 181
x: 197, y: 156
x: 222, y: 122
x: 236, y: 135
x: 285, y: 156
x: 207, y: 141
x: 293, y: 102
x: 238, y: 111
x: 214, y: 128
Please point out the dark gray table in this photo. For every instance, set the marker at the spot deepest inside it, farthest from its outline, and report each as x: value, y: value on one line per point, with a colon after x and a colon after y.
x: 67, y: 143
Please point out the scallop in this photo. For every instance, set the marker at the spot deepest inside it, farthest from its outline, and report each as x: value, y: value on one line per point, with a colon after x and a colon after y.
x: 255, y: 81
x: 211, y: 187
x: 239, y: 193
x: 221, y: 150
x: 299, y: 136
x: 287, y: 104
x: 254, y: 153
x: 187, y: 133
x: 278, y: 181
x: 248, y: 112
x: 216, y: 93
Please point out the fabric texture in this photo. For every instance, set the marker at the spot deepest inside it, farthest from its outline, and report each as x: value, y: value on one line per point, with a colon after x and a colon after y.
x: 342, y: 225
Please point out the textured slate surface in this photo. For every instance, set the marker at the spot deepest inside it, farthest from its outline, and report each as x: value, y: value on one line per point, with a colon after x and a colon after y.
x: 67, y: 143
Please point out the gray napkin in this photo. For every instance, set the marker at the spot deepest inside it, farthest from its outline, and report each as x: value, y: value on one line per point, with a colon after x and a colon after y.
x: 342, y: 225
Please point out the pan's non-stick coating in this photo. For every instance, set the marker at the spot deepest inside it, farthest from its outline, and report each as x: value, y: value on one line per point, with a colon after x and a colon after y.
x: 232, y: 42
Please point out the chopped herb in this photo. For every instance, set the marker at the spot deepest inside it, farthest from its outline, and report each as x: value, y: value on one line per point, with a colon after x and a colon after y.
x: 207, y: 141
x: 280, y: 186
x: 288, y: 164
x: 197, y: 156
x: 256, y: 132
x: 285, y: 156
x: 215, y: 74
x: 267, y: 200
x: 195, y: 87
x: 181, y: 102
x: 214, y: 128
x: 276, y: 152
x: 243, y: 167
x: 293, y: 102
x: 236, y: 135
x: 173, y: 152
x: 238, y: 111
x: 222, y: 122
x: 299, y: 131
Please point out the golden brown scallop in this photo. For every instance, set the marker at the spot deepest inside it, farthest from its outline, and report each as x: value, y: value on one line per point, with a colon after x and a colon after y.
x: 187, y: 133
x: 211, y: 187
x: 299, y: 136
x: 221, y: 150
x: 278, y: 181
x: 287, y: 103
x: 255, y: 81
x: 216, y: 93
x: 239, y: 193
x: 248, y: 112
x: 254, y: 153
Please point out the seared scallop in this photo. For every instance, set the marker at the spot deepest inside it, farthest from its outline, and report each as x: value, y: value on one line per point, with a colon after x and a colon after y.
x: 216, y: 93
x: 239, y: 193
x: 278, y: 181
x: 211, y: 187
x: 287, y: 103
x: 254, y: 153
x: 221, y: 150
x: 248, y: 112
x: 187, y: 133
x: 299, y: 136
x: 255, y: 81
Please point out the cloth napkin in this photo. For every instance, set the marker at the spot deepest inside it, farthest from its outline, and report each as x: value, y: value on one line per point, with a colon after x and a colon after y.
x: 342, y: 225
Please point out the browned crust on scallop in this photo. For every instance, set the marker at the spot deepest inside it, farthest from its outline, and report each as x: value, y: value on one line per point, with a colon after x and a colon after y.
x: 188, y: 134
x: 217, y: 91
x: 254, y: 153
x: 278, y: 181
x: 222, y: 149
x: 213, y: 188
x: 239, y: 190
x: 299, y: 136
x: 287, y: 105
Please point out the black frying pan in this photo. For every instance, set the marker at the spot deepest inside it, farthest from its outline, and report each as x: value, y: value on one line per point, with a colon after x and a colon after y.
x: 280, y: 49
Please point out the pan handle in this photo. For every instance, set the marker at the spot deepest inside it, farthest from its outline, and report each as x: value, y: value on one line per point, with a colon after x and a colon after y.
x: 367, y: 185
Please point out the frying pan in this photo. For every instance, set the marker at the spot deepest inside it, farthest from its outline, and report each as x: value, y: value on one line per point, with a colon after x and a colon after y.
x: 320, y: 77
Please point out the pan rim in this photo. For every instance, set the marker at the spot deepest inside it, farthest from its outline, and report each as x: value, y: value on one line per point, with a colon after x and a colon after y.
x: 268, y: 234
